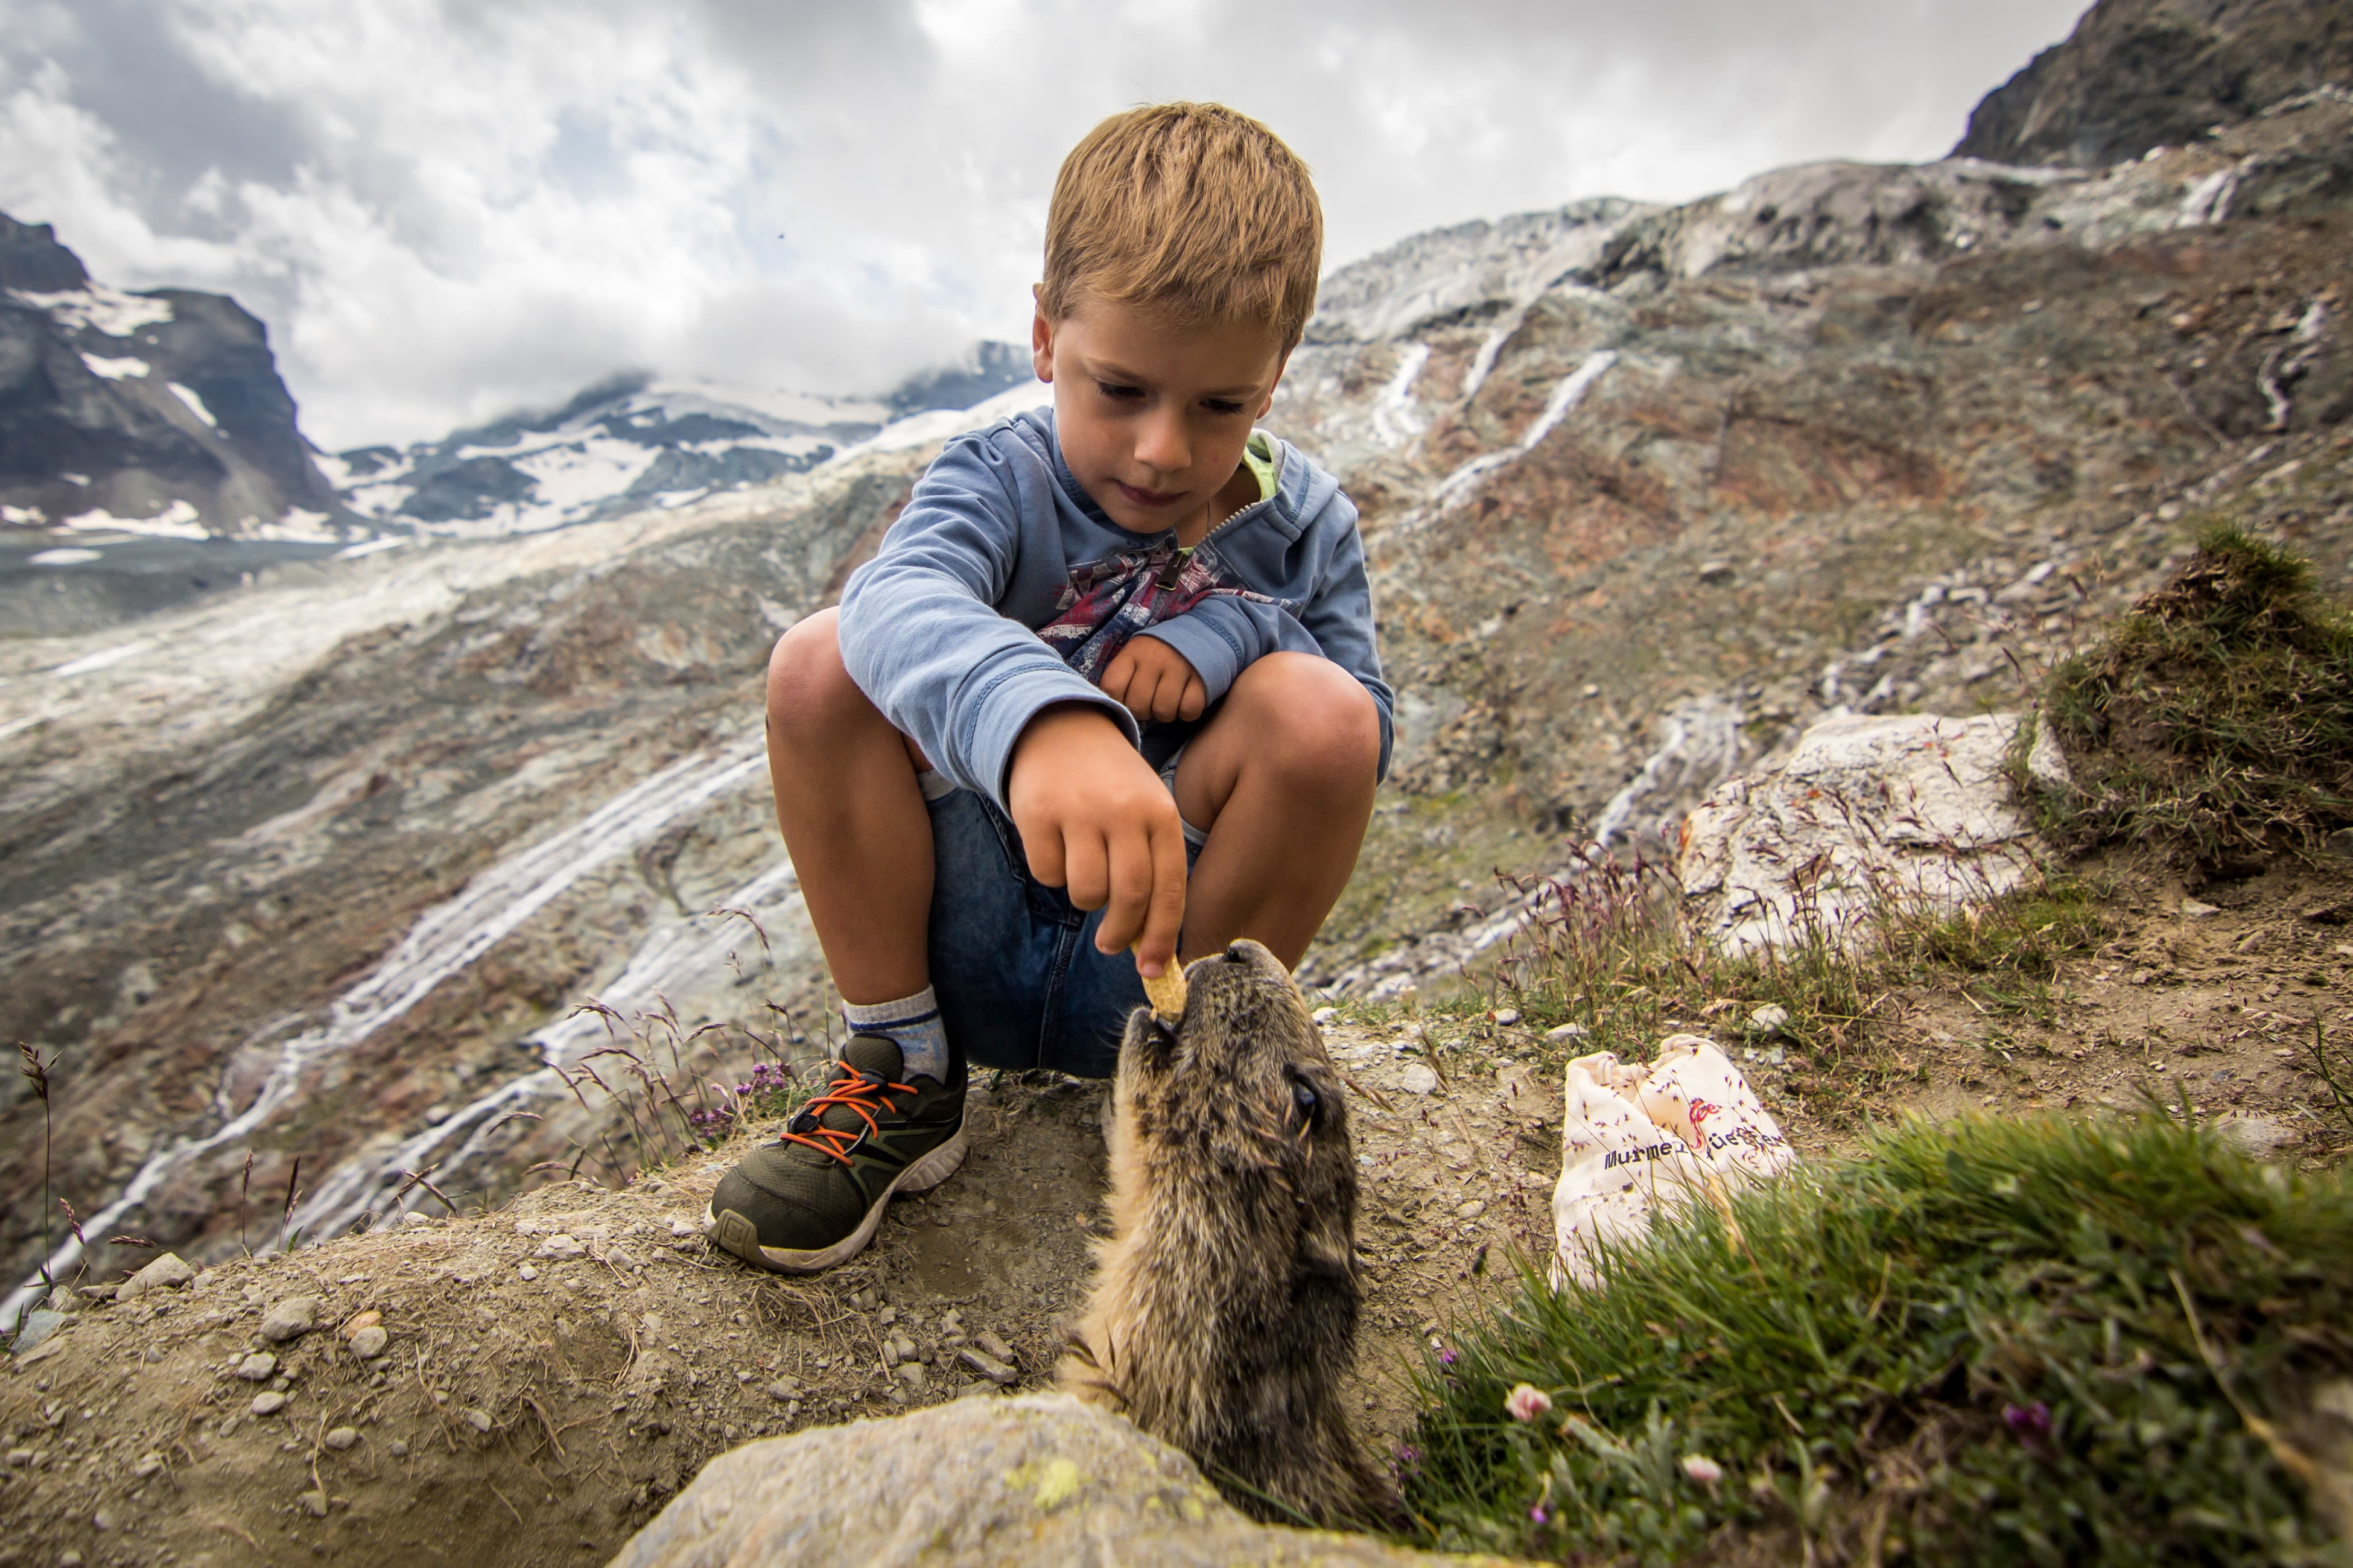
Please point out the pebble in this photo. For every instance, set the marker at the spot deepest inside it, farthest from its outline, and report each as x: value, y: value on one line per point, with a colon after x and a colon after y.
x: 267, y: 1404
x: 913, y: 1375
x: 1567, y: 1032
x: 682, y: 1229
x: 1770, y: 1019
x: 340, y: 1438
x: 1471, y: 1210
x: 1508, y: 1016
x: 1418, y: 1078
x: 103, y: 1519
x: 166, y: 1272
x: 620, y: 1258
x: 68, y: 1558
x: 2191, y: 910
x: 560, y: 1246
x: 480, y: 1420
x: 782, y: 1390
x: 996, y: 1347
x: 359, y: 1321
x: 411, y: 1217
x: 148, y: 1465
x: 526, y: 1273
x: 1324, y: 1016
x: 369, y: 1342
x: 259, y: 1367
x: 314, y: 1504
x: 38, y: 1325
x: 291, y: 1319
x: 987, y: 1365
x: 396, y: 1448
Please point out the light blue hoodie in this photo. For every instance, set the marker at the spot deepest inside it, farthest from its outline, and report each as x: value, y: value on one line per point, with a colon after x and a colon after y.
x: 1003, y: 589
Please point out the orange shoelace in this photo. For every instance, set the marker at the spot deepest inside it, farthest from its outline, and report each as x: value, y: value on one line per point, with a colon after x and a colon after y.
x: 859, y: 1093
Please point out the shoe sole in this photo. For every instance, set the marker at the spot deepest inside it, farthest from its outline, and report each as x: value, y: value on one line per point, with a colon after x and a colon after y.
x: 737, y: 1235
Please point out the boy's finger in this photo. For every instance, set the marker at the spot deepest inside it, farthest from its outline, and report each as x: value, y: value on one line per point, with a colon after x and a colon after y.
x: 1196, y: 698
x: 1046, y: 857
x: 1167, y: 699
x: 1165, y: 920
x: 1116, y: 677
x: 1088, y: 870
x: 1130, y: 890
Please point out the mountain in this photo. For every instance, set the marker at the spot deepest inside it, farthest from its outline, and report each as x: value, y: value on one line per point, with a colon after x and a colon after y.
x: 320, y: 870
x: 158, y: 412
x: 635, y: 442
x: 2138, y: 74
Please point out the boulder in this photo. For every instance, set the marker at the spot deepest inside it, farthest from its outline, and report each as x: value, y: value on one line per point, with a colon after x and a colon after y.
x: 1028, y: 1479
x: 1917, y: 811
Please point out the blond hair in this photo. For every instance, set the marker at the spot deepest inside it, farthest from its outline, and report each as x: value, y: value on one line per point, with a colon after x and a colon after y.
x: 1189, y: 210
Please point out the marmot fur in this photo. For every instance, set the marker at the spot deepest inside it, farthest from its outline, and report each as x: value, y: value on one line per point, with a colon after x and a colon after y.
x: 1225, y: 1306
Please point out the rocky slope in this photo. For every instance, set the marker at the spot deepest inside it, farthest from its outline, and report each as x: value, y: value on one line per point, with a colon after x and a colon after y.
x: 317, y: 869
x: 156, y: 413
x: 2140, y: 74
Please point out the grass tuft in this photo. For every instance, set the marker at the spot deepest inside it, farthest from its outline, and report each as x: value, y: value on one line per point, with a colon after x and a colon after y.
x: 2035, y: 1340
x: 2217, y: 718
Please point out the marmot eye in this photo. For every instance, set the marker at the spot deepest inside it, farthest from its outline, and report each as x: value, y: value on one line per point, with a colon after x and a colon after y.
x: 1305, y: 1098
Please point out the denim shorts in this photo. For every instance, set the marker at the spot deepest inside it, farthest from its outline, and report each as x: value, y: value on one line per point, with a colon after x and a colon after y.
x: 1013, y: 961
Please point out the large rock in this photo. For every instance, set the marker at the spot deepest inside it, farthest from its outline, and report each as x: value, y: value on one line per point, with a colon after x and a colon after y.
x: 1917, y: 811
x: 1036, y: 1479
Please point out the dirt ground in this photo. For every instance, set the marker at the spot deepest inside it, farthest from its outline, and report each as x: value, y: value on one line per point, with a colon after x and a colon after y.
x: 557, y: 1368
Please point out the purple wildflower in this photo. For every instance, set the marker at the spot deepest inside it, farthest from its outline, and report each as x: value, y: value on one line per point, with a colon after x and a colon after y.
x: 1446, y: 1358
x: 1541, y: 1514
x: 2031, y: 1424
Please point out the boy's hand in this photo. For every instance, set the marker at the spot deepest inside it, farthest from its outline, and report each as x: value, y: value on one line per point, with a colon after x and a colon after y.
x: 1097, y: 822
x: 1153, y: 680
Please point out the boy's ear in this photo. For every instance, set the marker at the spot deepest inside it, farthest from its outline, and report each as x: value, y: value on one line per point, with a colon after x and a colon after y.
x: 1041, y: 339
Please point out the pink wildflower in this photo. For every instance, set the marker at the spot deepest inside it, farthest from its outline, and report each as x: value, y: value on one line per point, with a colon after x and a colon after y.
x: 1703, y: 1470
x: 1526, y: 1401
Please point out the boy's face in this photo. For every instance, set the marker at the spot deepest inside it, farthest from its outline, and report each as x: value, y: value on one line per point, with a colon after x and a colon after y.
x: 1153, y: 418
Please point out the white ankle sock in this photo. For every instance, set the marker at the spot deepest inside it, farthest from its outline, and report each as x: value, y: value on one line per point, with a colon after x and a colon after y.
x: 913, y: 1022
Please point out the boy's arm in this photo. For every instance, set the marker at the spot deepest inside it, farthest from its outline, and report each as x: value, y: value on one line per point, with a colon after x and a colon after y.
x: 921, y: 640
x: 998, y: 712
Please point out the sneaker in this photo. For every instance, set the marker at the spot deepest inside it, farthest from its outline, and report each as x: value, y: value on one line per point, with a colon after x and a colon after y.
x: 813, y: 1197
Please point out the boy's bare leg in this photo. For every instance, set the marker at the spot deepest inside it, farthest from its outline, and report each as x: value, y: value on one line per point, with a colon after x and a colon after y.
x: 853, y: 815
x: 1282, y: 777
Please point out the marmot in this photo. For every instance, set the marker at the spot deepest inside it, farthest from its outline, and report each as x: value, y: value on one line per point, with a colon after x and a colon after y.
x: 1225, y: 1306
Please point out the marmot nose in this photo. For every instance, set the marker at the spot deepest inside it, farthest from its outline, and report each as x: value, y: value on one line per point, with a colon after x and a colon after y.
x: 1238, y: 952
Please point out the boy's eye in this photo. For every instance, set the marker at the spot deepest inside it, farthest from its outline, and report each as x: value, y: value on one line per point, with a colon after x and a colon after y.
x: 1221, y: 406
x: 1118, y: 391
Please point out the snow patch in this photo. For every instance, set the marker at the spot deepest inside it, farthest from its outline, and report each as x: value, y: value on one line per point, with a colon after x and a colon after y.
x: 110, y: 311
x: 116, y: 369
x: 187, y: 395
x: 62, y: 557
x: 177, y: 520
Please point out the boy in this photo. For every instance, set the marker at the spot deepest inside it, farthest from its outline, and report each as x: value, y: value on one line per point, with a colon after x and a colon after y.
x: 1097, y: 650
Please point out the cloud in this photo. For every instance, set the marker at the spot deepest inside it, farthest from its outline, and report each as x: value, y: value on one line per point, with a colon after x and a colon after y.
x: 444, y: 210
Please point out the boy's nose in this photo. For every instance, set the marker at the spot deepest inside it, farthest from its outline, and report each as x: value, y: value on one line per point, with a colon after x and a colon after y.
x: 1162, y: 444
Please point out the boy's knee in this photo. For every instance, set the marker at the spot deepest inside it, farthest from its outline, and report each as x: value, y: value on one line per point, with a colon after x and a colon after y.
x: 808, y: 685
x: 1318, y: 723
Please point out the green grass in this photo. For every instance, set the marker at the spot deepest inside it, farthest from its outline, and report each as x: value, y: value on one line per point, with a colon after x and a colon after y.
x: 1609, y: 951
x: 1985, y: 1341
x: 2216, y: 720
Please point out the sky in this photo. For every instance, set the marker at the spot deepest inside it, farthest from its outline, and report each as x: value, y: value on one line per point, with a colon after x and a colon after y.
x: 445, y: 211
